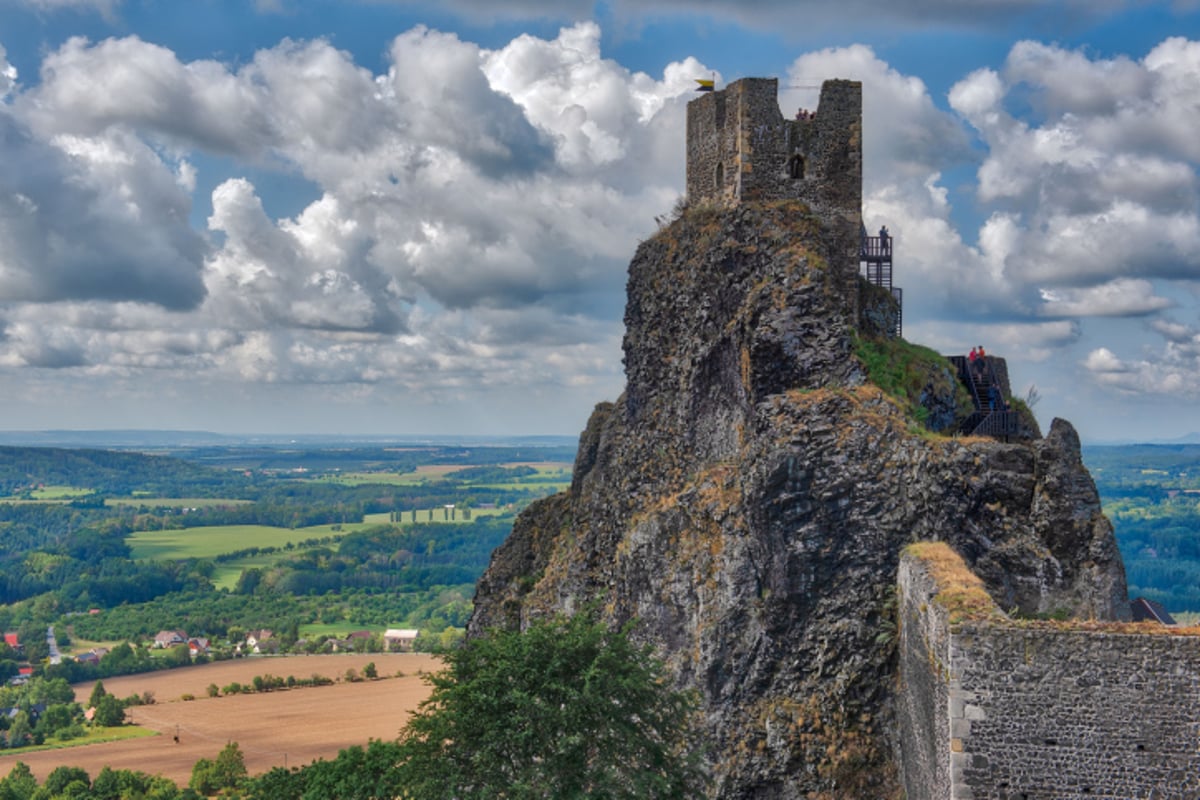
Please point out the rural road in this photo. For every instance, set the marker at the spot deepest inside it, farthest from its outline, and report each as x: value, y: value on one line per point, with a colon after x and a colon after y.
x: 55, y: 656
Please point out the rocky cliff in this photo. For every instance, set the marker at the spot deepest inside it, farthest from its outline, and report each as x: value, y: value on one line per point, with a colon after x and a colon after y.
x: 747, y: 498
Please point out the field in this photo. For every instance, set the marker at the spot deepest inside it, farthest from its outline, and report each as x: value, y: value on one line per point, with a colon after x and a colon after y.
x: 60, y: 492
x: 422, y: 474
x: 209, y: 541
x: 214, y: 540
x: 49, y: 494
x: 284, y: 728
x: 556, y: 474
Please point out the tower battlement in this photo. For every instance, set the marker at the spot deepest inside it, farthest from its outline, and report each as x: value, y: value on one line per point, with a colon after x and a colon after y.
x: 740, y: 147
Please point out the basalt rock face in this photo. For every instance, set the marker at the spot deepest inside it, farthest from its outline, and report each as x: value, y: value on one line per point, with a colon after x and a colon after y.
x: 747, y: 498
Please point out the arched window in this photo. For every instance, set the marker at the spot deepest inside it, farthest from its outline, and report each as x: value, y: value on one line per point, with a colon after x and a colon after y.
x: 720, y: 176
x: 796, y: 167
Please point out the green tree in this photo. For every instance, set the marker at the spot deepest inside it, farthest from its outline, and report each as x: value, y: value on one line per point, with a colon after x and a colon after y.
x: 356, y: 774
x: 110, y: 712
x: 61, y: 777
x: 20, y: 783
x: 203, y: 781
x: 227, y: 771
x: 567, y: 709
x: 178, y: 656
x: 98, y: 691
x: 231, y: 766
x: 20, y: 730
x: 57, y: 717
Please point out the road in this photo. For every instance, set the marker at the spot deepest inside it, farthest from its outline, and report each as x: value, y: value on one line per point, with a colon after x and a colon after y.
x: 55, y: 656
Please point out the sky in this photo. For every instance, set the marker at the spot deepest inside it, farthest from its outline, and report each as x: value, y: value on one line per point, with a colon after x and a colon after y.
x: 404, y: 217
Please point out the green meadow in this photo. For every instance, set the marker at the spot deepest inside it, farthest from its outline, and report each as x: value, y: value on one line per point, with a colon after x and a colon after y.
x: 314, y: 629
x: 225, y: 575
x: 556, y: 474
x: 91, y: 736
x: 60, y: 493
x: 49, y: 494
x: 214, y: 540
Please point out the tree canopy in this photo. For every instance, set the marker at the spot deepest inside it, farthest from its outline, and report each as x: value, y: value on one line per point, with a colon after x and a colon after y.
x: 567, y: 709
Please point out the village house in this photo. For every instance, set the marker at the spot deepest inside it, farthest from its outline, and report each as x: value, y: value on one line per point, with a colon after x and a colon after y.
x: 170, y: 638
x: 258, y: 642
x: 401, y: 639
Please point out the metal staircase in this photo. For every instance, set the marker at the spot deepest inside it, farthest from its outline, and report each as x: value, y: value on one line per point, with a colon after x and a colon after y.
x: 991, y: 417
x: 875, y: 263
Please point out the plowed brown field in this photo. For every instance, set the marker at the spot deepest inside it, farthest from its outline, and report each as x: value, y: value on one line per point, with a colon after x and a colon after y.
x: 291, y: 727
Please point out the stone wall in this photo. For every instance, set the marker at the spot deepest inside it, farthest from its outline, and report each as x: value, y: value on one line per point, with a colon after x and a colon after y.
x: 995, y: 709
x: 740, y: 147
x: 923, y: 702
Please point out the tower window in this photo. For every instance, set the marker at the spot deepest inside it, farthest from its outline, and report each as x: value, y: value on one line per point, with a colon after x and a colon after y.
x: 796, y: 167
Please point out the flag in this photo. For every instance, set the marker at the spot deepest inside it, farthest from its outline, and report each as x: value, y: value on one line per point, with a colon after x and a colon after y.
x: 706, y: 84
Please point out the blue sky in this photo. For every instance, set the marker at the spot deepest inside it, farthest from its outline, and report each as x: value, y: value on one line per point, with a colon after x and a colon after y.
x: 407, y: 217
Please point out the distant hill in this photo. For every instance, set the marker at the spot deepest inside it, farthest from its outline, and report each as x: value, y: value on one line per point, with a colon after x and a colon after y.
x: 103, y: 471
x: 1150, y: 493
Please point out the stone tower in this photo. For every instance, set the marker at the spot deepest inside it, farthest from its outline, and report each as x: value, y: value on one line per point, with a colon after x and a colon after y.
x: 740, y: 147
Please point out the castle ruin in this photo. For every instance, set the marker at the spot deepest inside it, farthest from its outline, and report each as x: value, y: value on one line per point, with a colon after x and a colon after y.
x: 740, y: 147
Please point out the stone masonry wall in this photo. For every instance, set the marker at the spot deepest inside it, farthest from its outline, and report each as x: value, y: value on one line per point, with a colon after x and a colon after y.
x: 740, y: 147
x: 1039, y: 711
x: 923, y: 702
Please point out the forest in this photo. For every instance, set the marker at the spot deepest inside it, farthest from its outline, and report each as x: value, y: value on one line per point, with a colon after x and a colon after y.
x: 66, y: 558
x: 1151, y: 493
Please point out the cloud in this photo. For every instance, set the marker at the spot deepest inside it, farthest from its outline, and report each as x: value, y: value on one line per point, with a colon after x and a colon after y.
x: 1119, y: 298
x: 93, y: 219
x: 589, y: 107
x: 1173, y: 369
x: 1170, y: 374
x: 445, y: 98
x: 8, y: 74
x: 309, y: 272
x: 474, y: 211
x: 1103, y: 184
x: 1020, y: 342
x: 1173, y: 331
x: 474, y: 208
x: 89, y: 89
